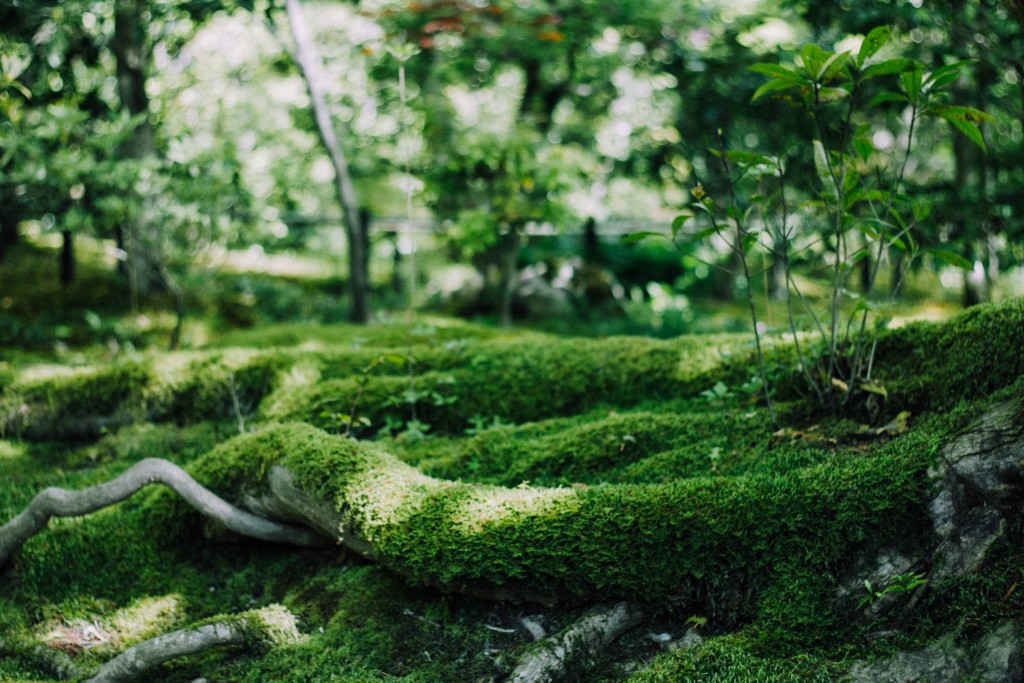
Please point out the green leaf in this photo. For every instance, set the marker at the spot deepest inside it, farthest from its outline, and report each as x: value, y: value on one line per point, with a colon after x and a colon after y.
x: 749, y: 240
x: 850, y: 180
x: 678, y: 221
x: 832, y: 66
x: 873, y: 42
x: 642, y: 235
x: 811, y: 58
x: 704, y: 234
x: 821, y: 165
x: 874, y: 388
x: 965, y: 119
x: 969, y: 114
x: 777, y: 71
x: 863, y: 147
x: 912, y: 82
x: 887, y: 97
x: 776, y: 85
x: 945, y: 75
x: 867, y: 230
x: 888, y: 68
x: 951, y: 258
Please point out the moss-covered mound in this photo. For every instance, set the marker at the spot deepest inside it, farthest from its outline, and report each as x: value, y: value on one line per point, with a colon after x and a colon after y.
x: 933, y: 367
x: 685, y: 539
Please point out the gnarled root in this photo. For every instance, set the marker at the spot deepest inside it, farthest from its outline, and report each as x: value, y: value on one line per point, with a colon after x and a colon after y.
x: 548, y: 660
x: 257, y: 629
x: 57, y: 502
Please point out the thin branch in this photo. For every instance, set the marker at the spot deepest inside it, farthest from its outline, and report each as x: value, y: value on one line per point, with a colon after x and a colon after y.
x: 260, y: 628
x: 585, y: 639
x: 741, y: 234
x: 138, y: 659
x: 58, y: 502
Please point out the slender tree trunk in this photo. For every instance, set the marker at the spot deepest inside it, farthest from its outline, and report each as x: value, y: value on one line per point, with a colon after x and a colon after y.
x: 8, y: 231
x: 309, y: 64
x: 67, y: 258
x: 778, y: 280
x: 508, y: 257
x: 132, y: 56
x: 897, y: 273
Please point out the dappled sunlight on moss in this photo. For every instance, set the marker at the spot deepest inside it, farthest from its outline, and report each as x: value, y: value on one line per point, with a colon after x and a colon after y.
x: 108, y: 633
x: 494, y: 507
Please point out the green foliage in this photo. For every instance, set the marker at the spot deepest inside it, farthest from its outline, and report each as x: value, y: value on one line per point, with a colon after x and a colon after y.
x: 856, y: 206
x: 903, y: 583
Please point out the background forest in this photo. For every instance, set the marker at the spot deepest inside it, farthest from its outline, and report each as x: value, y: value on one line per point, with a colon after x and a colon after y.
x: 159, y: 161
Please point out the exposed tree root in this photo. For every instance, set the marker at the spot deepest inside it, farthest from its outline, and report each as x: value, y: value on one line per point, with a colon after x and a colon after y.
x: 549, y: 660
x: 258, y: 628
x: 140, y: 658
x: 57, y: 502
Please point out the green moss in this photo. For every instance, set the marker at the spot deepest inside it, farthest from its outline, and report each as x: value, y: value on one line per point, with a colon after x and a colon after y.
x: 692, y: 538
x: 514, y: 381
x: 684, y: 439
x: 730, y: 659
x: 424, y: 331
x: 754, y: 539
x: 935, y: 366
x: 65, y: 396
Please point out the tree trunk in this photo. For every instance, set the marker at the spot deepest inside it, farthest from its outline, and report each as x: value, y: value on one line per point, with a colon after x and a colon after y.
x: 509, y: 254
x: 8, y: 231
x: 309, y: 64
x: 67, y: 258
x: 778, y: 279
x: 132, y: 56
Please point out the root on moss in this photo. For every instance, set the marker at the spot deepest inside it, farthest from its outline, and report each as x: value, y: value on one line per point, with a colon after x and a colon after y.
x: 256, y: 629
x: 58, y: 502
x: 549, y: 660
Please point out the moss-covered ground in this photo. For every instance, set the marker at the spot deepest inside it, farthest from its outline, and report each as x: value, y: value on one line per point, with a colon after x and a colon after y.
x: 656, y: 467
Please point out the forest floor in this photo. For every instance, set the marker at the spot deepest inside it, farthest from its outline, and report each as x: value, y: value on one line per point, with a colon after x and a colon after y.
x: 771, y: 516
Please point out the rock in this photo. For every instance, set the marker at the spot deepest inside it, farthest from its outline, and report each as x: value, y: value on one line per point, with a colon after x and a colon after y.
x: 880, y: 573
x: 689, y: 639
x: 939, y: 663
x: 982, y: 475
x: 964, y: 549
x: 999, y: 658
x: 995, y: 659
x: 981, y: 467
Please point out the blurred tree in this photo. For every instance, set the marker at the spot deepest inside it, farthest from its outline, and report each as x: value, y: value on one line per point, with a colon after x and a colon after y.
x: 308, y: 61
x: 974, y: 193
x: 513, y: 96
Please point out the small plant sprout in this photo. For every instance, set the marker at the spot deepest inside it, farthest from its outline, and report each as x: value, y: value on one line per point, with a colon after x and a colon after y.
x: 854, y: 208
